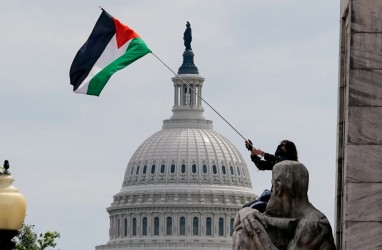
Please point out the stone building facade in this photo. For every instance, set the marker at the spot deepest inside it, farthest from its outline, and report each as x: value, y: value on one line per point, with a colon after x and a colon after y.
x: 359, y: 145
x: 184, y: 185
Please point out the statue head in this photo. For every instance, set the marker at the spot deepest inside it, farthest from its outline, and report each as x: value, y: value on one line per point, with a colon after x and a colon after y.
x: 290, y: 181
x: 188, y: 24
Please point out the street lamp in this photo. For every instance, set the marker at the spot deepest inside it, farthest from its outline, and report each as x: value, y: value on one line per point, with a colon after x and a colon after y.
x: 12, y: 209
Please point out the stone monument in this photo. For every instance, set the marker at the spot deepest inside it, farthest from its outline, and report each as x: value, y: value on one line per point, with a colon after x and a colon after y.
x: 359, y: 130
x: 290, y: 221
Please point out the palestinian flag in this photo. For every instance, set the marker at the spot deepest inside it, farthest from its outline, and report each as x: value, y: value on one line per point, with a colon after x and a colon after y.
x: 111, y: 46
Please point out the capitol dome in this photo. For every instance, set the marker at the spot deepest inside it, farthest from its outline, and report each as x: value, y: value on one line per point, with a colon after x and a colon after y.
x: 184, y: 184
x: 186, y: 156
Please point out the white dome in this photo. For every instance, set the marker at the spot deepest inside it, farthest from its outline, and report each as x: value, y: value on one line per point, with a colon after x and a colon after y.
x: 187, y: 155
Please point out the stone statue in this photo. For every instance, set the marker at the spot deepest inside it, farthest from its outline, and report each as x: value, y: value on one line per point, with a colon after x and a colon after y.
x: 187, y: 36
x: 289, y: 222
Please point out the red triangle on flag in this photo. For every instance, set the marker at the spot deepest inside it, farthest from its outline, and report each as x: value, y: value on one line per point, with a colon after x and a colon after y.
x: 123, y: 33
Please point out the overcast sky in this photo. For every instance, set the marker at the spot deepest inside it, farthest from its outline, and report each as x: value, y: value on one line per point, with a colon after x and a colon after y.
x: 270, y: 69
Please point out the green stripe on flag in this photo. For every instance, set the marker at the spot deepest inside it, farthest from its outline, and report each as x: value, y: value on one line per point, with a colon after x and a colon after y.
x: 136, y: 49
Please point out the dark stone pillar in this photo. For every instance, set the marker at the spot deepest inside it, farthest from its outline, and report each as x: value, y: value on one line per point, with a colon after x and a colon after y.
x: 359, y: 131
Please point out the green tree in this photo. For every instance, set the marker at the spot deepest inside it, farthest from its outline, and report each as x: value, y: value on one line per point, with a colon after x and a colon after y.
x: 30, y: 240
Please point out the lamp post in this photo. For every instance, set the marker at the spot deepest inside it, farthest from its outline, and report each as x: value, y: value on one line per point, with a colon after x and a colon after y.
x: 12, y: 209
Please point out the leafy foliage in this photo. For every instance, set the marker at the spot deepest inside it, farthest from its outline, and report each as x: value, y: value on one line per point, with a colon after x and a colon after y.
x: 30, y: 240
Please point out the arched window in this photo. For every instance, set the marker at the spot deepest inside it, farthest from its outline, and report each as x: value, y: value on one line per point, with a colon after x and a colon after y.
x: 137, y: 172
x: 208, y: 226
x: 214, y: 169
x: 223, y: 170
x: 205, y: 169
x: 169, y: 226
x: 238, y: 171
x: 134, y: 226
x: 231, y: 170
x: 144, y: 169
x: 221, y: 226
x: 182, y: 226
x: 194, y: 168
x: 195, y: 226
x: 156, y: 226
x: 173, y: 168
x: 162, y: 168
x: 144, y: 226
x: 125, y: 227
x: 183, y: 168
x: 153, y: 169
x: 231, y: 226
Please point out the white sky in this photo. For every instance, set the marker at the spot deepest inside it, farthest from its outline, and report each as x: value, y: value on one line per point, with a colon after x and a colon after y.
x: 270, y: 69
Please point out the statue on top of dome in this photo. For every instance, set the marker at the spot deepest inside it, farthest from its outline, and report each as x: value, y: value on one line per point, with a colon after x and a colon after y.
x: 187, y: 36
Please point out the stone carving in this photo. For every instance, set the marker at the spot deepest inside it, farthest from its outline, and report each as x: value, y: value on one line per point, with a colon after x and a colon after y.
x: 289, y: 222
x: 187, y: 36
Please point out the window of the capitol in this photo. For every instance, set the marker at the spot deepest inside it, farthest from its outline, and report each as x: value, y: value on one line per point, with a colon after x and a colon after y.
x: 195, y: 226
x: 221, y: 227
x: 169, y: 226
x: 182, y: 226
x: 144, y: 226
x: 208, y: 226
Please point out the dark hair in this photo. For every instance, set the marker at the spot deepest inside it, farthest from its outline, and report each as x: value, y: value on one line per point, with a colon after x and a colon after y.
x: 290, y: 152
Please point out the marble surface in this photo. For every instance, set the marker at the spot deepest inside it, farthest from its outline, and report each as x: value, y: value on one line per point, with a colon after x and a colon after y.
x: 365, y: 88
x: 359, y: 187
x: 366, y: 15
x: 364, y: 163
x: 363, y: 202
x: 364, y: 125
x: 363, y: 235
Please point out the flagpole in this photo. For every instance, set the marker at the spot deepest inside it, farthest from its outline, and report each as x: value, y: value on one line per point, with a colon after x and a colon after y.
x: 199, y: 96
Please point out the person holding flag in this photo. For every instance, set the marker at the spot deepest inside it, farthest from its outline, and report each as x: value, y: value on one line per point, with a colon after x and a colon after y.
x: 286, y: 150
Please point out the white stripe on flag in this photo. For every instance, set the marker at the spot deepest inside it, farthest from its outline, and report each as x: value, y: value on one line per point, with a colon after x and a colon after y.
x: 110, y: 54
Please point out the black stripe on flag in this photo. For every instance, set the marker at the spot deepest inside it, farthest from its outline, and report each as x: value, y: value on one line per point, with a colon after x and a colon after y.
x: 89, y: 53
